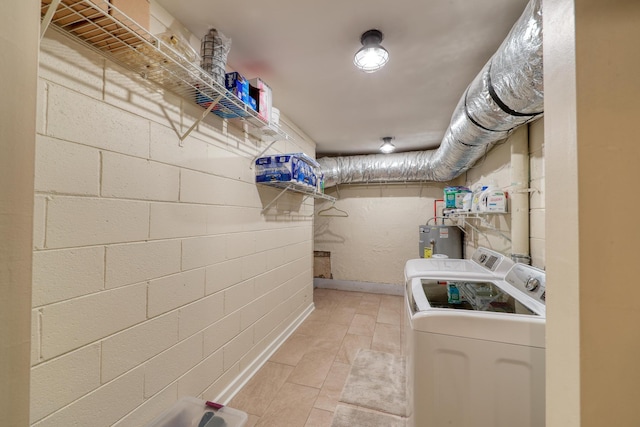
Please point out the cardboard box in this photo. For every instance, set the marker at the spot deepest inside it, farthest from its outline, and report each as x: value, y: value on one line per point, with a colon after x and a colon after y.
x: 263, y: 95
x: 76, y: 11
x: 89, y: 19
x: 137, y: 10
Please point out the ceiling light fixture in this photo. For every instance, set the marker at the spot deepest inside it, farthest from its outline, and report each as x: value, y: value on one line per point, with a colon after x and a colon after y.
x: 387, y: 147
x: 371, y: 56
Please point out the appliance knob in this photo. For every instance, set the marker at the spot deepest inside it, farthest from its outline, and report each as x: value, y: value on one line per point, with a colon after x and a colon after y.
x: 532, y: 284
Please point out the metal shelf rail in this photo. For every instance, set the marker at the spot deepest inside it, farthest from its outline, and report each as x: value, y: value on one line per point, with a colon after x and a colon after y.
x: 103, y: 28
x: 464, y: 217
x: 297, y: 188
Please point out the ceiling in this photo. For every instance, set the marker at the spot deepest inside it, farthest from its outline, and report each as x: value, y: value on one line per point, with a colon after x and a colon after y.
x: 304, y: 51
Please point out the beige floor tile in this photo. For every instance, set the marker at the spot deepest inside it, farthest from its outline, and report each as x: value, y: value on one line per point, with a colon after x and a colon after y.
x: 332, y: 387
x: 256, y: 396
x: 368, y: 307
x: 387, y: 338
x: 349, y: 299
x: 390, y: 310
x: 290, y: 407
x: 312, y: 369
x: 292, y: 350
x: 342, y: 315
x: 326, y: 344
x: 391, y: 301
x: 322, y: 329
x: 323, y: 300
x: 252, y: 421
x: 350, y: 346
x: 321, y: 314
x: 319, y: 418
x: 362, y: 325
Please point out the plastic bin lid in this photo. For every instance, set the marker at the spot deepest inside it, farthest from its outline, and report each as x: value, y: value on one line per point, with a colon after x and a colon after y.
x: 188, y: 411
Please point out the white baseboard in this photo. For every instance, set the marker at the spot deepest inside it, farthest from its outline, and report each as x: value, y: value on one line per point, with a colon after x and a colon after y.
x: 350, y: 285
x: 241, y: 380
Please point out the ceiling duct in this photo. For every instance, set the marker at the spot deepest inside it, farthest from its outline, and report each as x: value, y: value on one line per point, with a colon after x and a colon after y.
x: 506, y: 94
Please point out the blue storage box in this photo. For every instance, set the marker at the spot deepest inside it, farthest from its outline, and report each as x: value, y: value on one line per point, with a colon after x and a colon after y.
x: 224, y: 108
x: 238, y: 85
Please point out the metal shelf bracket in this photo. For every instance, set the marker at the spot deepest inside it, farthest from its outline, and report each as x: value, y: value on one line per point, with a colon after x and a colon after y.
x: 46, y: 20
x: 197, y: 122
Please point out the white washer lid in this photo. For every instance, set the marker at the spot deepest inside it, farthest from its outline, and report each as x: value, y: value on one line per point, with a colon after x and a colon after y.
x: 454, y: 268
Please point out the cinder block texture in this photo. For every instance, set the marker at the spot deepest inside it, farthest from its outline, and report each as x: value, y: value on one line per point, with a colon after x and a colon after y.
x: 63, y: 167
x: 202, y: 376
x: 135, y: 262
x: 78, y: 118
x: 71, y: 324
x: 136, y: 345
x: 203, y: 251
x: 104, y: 406
x: 73, y: 221
x: 200, y: 314
x: 154, y: 267
x: 175, y: 291
x: 59, y: 382
x: 171, y: 364
x: 67, y: 273
x: 222, y: 275
x: 129, y: 177
x: 169, y: 220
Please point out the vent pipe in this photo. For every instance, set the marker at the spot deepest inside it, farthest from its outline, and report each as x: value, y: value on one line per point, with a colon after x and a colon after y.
x: 507, y: 93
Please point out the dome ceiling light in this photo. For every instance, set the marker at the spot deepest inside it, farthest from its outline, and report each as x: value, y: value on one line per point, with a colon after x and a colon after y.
x: 371, y: 56
x: 387, y: 147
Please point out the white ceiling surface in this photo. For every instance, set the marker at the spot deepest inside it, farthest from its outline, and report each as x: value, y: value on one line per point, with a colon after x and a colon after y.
x: 304, y: 51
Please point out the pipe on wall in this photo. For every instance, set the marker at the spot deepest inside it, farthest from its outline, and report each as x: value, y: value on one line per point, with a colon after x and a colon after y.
x: 507, y: 93
x: 520, y: 196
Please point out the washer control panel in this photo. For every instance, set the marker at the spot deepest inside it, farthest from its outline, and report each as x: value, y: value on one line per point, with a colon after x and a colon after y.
x: 529, y: 280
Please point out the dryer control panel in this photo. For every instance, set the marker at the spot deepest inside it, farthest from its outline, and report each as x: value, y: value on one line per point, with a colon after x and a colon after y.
x: 529, y: 280
x: 492, y: 261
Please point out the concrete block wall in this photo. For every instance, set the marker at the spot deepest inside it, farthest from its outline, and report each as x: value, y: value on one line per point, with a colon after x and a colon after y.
x: 380, y: 234
x: 155, y: 274
x: 495, y: 167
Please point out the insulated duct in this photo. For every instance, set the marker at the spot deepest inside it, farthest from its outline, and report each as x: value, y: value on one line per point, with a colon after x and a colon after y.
x: 507, y: 93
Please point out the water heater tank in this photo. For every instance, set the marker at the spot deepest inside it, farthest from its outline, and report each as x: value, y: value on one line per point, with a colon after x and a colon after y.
x: 440, y: 239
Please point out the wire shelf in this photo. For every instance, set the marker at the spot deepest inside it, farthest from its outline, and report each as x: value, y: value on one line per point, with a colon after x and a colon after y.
x: 103, y: 28
x: 298, y: 188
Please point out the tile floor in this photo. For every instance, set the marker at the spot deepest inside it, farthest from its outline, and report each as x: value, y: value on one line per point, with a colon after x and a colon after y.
x: 300, y: 385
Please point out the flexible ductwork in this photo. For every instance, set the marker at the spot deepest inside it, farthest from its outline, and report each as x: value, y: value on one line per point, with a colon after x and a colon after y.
x: 506, y: 94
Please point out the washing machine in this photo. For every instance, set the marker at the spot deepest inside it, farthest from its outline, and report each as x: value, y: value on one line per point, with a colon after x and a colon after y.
x: 483, y: 263
x: 475, y: 347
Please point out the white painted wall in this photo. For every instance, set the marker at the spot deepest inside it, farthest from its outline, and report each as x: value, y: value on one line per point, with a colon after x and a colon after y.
x: 381, y: 232
x: 155, y: 274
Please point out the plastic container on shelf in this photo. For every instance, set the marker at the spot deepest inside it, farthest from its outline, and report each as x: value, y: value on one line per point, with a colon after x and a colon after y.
x: 275, y: 116
x: 214, y: 50
x: 475, y: 201
x: 493, y: 199
x: 191, y: 412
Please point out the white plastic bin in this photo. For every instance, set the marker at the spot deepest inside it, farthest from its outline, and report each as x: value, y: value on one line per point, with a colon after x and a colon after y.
x: 188, y: 412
